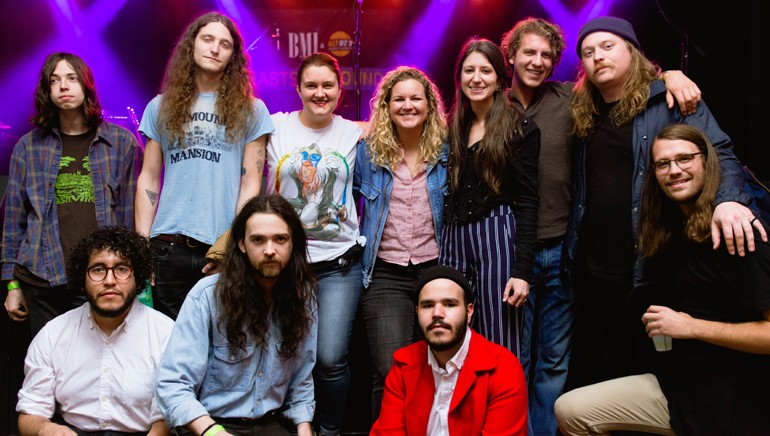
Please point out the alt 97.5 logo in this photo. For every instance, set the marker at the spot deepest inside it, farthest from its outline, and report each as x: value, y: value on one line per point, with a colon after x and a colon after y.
x: 340, y: 44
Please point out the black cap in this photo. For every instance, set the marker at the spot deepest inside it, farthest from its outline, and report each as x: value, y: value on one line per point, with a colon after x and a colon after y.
x: 615, y: 25
x: 443, y: 272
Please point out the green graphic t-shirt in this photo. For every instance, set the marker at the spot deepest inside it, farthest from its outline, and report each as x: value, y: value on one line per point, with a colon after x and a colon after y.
x: 75, y: 191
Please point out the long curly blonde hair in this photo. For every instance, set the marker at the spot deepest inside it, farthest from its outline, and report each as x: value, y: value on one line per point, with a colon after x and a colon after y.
x: 636, y: 91
x: 235, y: 92
x: 382, y: 137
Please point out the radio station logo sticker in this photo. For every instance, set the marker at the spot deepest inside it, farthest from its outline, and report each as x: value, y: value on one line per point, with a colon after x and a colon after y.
x: 340, y: 44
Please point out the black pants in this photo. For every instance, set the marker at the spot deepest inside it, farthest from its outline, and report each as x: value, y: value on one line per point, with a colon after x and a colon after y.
x: 177, y: 269
x: 45, y: 304
x: 269, y: 425
x: 609, y: 339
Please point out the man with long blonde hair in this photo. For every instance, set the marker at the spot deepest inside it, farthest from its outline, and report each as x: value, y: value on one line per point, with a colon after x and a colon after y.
x: 206, y: 134
x: 617, y: 108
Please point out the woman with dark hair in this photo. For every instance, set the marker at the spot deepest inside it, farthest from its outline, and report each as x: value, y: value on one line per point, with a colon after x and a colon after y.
x: 401, y: 174
x: 311, y: 159
x: 491, y: 215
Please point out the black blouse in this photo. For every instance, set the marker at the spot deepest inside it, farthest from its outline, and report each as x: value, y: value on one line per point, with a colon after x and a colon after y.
x: 473, y: 199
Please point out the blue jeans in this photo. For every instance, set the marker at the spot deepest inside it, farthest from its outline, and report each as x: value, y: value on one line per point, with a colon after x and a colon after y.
x: 548, y: 317
x: 177, y: 269
x: 338, y: 295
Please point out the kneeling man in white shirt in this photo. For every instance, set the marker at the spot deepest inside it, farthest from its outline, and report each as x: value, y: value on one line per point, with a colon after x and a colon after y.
x: 92, y: 369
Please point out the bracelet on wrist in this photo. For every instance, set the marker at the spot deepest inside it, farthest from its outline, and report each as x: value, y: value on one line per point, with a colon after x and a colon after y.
x: 13, y: 284
x: 212, y: 430
x: 208, y: 428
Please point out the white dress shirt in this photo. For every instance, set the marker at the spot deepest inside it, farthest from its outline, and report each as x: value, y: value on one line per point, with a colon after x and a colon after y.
x: 96, y: 382
x: 445, y: 381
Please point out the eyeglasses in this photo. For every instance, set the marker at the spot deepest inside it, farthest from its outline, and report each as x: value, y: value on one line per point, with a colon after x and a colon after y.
x: 683, y: 161
x: 99, y: 272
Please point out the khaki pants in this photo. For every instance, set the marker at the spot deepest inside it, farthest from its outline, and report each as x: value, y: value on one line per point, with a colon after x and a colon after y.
x: 633, y: 403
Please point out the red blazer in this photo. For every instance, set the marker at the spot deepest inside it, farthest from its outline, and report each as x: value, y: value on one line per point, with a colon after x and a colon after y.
x: 490, y: 397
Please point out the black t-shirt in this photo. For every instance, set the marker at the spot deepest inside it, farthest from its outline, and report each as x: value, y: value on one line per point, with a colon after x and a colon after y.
x: 606, y: 242
x: 714, y: 390
x: 75, y: 191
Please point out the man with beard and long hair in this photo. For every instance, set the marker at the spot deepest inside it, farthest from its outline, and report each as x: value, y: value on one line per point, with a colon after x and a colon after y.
x: 715, y: 314
x: 241, y: 356
x: 92, y: 369
x: 454, y: 381
x: 206, y: 135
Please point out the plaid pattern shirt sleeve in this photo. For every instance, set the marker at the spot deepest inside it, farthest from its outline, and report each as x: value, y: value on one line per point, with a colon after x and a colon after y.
x: 14, y: 222
x: 115, y: 166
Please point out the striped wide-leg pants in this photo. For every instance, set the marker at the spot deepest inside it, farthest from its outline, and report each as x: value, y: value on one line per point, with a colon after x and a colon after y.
x: 485, y: 252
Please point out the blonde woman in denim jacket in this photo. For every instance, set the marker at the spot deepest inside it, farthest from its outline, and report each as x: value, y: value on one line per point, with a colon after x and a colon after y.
x: 401, y: 174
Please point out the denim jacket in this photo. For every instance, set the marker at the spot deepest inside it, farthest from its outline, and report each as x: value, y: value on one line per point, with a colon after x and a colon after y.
x: 200, y: 374
x: 647, y: 125
x: 371, y: 180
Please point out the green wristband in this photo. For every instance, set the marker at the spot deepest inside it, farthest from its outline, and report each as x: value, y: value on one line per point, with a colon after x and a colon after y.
x: 13, y: 285
x: 214, y: 429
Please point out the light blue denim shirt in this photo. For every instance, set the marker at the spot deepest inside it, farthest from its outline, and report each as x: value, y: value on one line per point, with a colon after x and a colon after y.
x: 375, y: 184
x: 199, y: 375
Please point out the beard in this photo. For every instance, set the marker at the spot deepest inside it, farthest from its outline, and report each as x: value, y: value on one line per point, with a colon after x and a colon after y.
x: 447, y: 341
x: 111, y: 313
x: 268, y: 269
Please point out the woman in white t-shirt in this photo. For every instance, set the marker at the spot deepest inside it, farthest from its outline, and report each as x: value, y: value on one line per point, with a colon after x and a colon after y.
x: 311, y: 157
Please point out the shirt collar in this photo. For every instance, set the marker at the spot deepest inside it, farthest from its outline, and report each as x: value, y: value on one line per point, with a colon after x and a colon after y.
x: 457, y: 361
x: 133, y: 315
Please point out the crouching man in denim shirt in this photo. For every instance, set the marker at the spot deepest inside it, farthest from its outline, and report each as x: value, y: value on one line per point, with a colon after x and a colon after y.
x: 241, y: 355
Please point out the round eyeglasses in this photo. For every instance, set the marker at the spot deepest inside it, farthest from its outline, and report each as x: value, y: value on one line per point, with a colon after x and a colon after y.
x: 99, y: 272
x: 683, y: 161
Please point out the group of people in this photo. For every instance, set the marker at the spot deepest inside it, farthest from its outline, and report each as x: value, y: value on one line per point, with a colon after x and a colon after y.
x: 505, y: 251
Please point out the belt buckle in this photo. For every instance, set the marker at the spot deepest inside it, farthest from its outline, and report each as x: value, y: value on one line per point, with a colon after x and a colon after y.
x: 344, y: 263
x: 187, y: 240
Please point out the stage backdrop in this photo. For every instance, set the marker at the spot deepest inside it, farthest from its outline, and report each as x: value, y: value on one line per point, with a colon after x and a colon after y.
x: 128, y: 42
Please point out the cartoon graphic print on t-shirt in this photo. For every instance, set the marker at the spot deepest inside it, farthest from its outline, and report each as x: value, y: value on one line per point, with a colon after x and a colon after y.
x: 71, y: 184
x: 314, y: 173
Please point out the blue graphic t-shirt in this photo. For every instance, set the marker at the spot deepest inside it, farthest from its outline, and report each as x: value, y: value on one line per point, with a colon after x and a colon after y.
x: 201, y: 180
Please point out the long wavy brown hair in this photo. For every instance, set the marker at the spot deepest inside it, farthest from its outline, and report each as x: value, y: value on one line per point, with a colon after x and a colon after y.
x: 502, y: 124
x: 661, y: 216
x: 46, y: 113
x: 235, y: 92
x: 382, y: 137
x: 636, y: 91
x: 246, y: 311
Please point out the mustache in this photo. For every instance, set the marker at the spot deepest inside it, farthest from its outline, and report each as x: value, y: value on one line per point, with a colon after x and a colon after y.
x: 439, y: 323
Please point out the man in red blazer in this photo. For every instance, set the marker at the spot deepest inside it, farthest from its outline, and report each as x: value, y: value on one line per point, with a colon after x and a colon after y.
x: 454, y: 382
